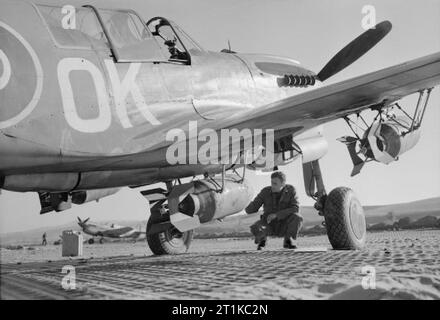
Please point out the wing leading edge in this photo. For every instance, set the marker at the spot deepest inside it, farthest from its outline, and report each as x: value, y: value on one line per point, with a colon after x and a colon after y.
x: 351, y: 96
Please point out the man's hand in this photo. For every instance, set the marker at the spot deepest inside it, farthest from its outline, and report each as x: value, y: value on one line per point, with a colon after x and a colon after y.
x: 271, y: 217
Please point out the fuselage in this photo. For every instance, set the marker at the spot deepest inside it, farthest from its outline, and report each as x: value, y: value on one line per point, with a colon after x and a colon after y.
x: 68, y: 108
x: 109, y: 231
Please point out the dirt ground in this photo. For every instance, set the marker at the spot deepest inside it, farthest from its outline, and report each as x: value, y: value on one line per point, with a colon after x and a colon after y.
x: 402, y: 265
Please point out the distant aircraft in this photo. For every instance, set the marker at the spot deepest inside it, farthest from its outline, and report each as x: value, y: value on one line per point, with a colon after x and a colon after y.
x: 93, y: 100
x: 112, y: 231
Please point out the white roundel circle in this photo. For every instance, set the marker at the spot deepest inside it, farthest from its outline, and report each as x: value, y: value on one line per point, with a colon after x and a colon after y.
x: 6, y: 75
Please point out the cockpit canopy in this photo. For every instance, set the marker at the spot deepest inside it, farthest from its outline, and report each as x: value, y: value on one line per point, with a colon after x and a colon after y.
x: 123, y: 32
x: 174, y: 41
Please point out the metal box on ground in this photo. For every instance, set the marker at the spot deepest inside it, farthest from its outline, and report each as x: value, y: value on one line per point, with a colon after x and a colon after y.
x: 72, y: 244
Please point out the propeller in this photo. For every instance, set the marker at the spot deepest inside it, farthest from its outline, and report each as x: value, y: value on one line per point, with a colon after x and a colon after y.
x: 354, y: 50
x: 80, y: 222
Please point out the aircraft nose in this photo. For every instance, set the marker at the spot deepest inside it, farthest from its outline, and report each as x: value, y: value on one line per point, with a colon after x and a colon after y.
x: 286, y: 71
x: 21, y: 77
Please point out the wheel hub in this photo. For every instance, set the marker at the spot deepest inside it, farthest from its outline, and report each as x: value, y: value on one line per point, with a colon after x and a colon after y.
x: 357, y: 219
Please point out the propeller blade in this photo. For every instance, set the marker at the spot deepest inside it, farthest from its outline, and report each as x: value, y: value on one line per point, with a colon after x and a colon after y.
x: 354, y: 50
x: 79, y: 219
x: 85, y: 221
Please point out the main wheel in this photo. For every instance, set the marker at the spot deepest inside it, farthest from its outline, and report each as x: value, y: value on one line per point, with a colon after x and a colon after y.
x: 91, y: 241
x: 171, y: 241
x: 344, y: 220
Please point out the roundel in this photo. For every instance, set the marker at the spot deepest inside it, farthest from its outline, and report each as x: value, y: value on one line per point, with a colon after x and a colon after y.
x: 21, y: 77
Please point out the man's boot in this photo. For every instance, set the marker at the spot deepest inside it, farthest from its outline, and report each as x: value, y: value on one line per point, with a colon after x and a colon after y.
x: 288, y: 244
x: 261, y: 245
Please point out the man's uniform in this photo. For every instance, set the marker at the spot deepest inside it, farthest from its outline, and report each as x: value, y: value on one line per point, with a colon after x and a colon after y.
x: 285, y: 206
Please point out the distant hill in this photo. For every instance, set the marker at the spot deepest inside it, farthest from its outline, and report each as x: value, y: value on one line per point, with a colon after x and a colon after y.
x: 413, y: 210
x: 239, y: 224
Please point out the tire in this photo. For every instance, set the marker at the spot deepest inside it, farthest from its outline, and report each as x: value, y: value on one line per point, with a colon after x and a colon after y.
x: 91, y: 241
x: 171, y: 241
x: 345, y: 220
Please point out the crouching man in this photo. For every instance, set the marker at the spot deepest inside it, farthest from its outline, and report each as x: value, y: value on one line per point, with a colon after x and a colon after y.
x: 281, y: 216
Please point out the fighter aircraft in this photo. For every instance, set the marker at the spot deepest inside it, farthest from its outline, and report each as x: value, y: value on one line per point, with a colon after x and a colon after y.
x: 93, y: 100
x: 111, y: 231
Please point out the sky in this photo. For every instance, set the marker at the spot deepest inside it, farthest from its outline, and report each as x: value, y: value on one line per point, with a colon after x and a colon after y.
x: 310, y: 32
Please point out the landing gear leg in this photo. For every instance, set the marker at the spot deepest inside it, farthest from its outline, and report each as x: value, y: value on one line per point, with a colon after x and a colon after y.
x: 342, y: 211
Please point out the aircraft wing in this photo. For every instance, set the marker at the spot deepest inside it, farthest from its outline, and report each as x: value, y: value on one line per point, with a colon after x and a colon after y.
x: 330, y: 102
x: 304, y: 111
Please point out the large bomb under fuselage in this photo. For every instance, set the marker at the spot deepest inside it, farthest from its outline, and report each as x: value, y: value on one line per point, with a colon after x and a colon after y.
x: 211, y: 201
